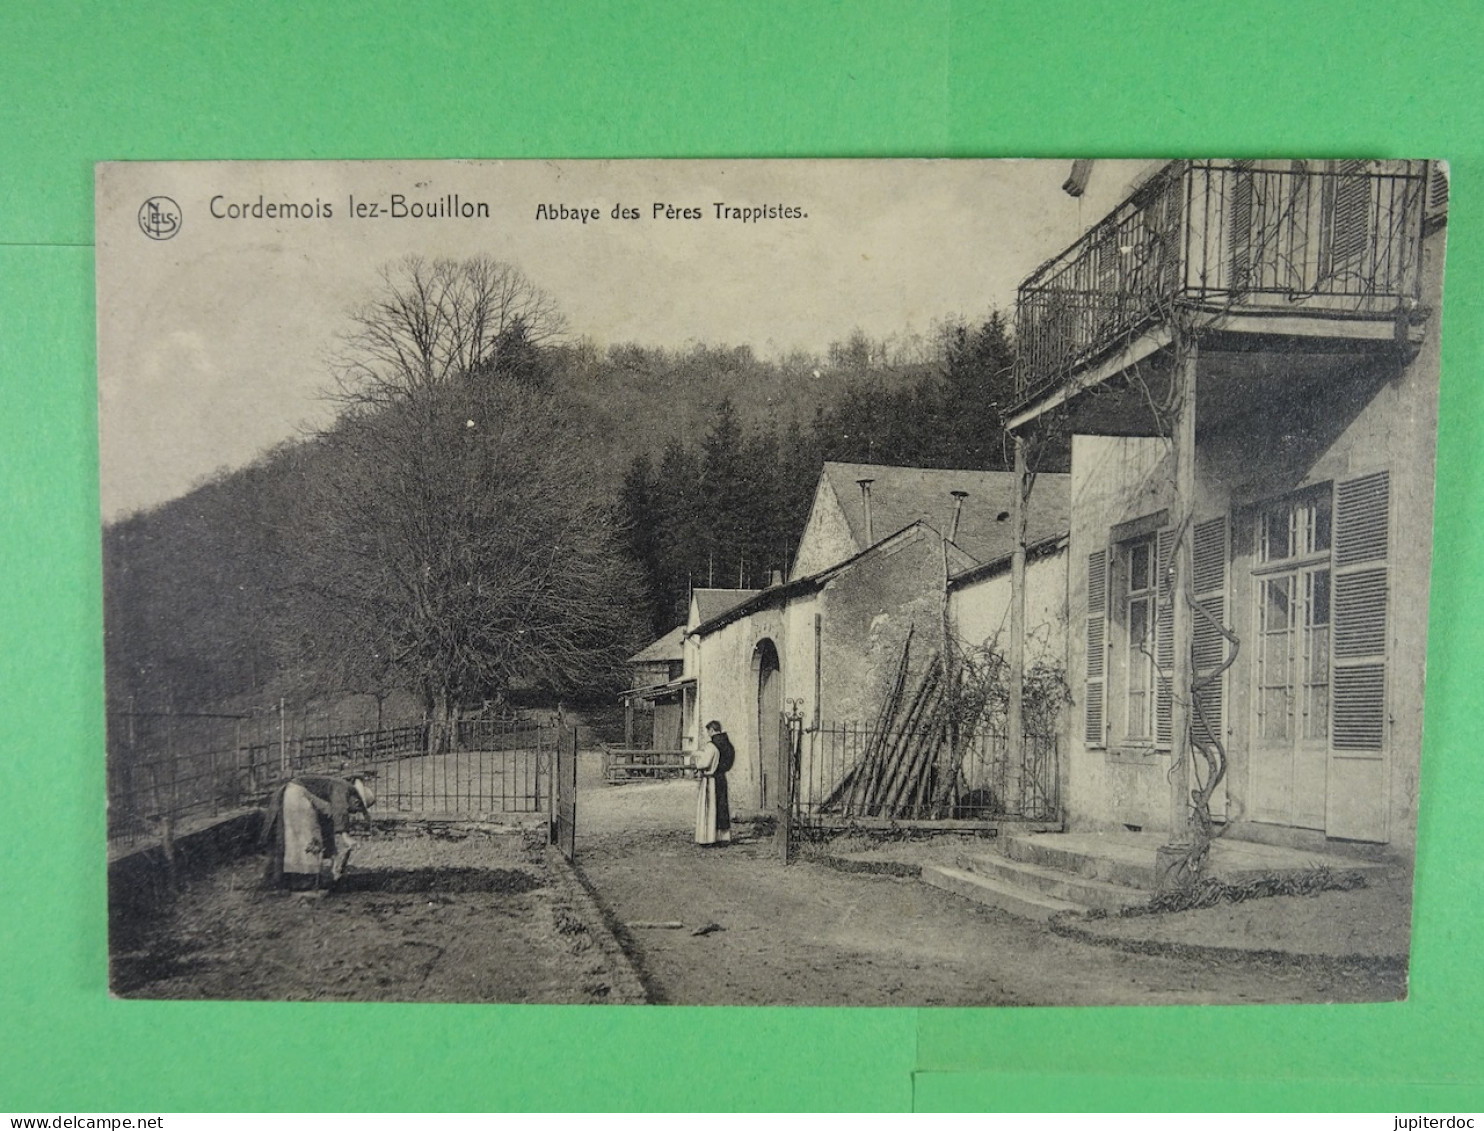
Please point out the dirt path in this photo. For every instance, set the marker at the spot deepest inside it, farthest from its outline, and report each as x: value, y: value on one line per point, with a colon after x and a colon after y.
x: 811, y: 935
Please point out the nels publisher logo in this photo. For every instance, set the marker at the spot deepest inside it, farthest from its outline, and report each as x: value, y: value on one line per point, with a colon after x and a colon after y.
x: 159, y: 218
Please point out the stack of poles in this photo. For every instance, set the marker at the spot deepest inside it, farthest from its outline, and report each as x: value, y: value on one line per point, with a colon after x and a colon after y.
x: 867, y: 770
x: 893, y: 776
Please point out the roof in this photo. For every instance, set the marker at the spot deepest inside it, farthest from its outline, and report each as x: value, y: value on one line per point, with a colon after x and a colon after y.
x: 901, y: 496
x: 713, y: 602
x: 1033, y: 550
x: 776, y: 594
x: 667, y: 648
x: 659, y: 690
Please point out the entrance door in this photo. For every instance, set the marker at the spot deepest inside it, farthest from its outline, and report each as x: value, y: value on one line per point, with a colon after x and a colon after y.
x: 1292, y: 680
x: 769, y: 709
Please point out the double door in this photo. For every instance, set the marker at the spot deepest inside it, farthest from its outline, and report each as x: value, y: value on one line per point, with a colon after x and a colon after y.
x: 1290, y: 745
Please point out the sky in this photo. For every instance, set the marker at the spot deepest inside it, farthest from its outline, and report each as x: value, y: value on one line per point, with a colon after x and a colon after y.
x: 216, y: 328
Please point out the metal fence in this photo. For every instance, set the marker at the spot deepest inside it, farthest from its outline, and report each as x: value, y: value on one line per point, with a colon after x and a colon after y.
x: 509, y: 773
x: 850, y: 772
x: 167, y: 768
x: 1339, y: 238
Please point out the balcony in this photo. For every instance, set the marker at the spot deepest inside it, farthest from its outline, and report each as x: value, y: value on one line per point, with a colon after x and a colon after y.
x: 1324, y: 248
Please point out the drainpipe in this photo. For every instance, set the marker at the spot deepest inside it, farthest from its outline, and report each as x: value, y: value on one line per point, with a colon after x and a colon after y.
x: 865, y: 485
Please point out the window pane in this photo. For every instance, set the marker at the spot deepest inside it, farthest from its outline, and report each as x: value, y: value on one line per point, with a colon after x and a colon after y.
x: 1138, y: 567
x: 1138, y: 715
x: 1275, y: 713
x: 1318, y: 655
x: 1276, y: 637
x: 1138, y: 623
x: 1316, y: 652
x: 1275, y: 659
x: 1275, y: 608
x: 1319, y: 597
x: 1277, y: 541
x: 1316, y: 722
x: 1323, y: 518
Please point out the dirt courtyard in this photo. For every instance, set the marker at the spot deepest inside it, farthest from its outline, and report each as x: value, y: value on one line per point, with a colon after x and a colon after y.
x: 810, y: 934
x: 471, y: 914
x: 456, y: 915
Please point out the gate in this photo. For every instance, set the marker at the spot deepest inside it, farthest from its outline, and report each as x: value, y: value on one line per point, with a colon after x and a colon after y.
x: 495, y: 768
x: 564, y: 793
x: 853, y: 774
x: 790, y: 742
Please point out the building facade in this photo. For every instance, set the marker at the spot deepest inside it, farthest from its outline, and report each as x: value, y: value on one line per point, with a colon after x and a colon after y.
x: 1246, y: 356
x: 887, y: 553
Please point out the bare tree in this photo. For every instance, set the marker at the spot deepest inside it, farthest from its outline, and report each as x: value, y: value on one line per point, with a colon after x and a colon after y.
x: 461, y: 540
x: 437, y: 321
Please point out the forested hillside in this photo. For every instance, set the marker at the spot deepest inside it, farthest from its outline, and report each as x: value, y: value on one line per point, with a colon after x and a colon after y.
x: 498, y: 508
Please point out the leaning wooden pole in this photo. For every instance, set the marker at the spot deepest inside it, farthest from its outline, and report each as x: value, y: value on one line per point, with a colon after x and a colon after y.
x: 865, y: 768
x: 935, y: 737
x: 891, y: 767
x: 918, y: 734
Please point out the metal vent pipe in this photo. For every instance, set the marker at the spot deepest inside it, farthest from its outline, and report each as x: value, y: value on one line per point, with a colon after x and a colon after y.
x: 958, y: 510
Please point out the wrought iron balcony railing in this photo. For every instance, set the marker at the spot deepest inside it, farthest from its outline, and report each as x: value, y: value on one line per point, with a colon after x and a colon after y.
x: 1335, y: 239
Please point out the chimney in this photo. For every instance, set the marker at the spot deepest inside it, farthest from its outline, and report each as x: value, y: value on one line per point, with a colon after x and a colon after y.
x: 1076, y: 183
x: 776, y: 578
x: 958, y: 509
x: 865, y: 485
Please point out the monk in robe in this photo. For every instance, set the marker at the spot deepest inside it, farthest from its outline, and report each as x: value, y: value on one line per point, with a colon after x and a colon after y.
x: 713, y: 806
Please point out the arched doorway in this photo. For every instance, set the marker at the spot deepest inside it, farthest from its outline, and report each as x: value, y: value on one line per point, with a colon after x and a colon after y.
x: 769, y: 706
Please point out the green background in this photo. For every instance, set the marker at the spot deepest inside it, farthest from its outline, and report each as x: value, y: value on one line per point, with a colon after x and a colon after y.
x: 82, y: 82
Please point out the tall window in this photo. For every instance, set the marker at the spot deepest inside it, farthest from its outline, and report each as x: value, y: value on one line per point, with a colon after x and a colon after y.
x: 1140, y: 617
x: 1293, y: 608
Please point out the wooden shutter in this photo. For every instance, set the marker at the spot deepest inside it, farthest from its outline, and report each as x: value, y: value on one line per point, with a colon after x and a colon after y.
x: 1164, y: 637
x: 1435, y: 208
x: 1362, y: 508
x: 1209, y: 556
x: 1240, y: 210
x: 1095, y: 684
x: 1348, y: 222
x: 1209, y: 646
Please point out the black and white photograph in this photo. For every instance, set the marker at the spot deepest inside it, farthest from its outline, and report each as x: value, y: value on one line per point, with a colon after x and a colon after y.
x: 766, y: 582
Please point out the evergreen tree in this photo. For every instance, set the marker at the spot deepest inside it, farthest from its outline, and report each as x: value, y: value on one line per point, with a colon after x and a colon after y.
x: 682, y: 557
x: 640, y: 520
x: 977, y: 392
x: 726, y: 489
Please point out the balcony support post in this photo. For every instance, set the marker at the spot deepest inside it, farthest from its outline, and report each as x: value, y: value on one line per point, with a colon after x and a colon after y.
x: 1014, y: 719
x: 1182, y: 831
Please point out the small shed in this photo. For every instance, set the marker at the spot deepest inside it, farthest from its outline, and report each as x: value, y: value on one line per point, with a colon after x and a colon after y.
x: 656, y: 699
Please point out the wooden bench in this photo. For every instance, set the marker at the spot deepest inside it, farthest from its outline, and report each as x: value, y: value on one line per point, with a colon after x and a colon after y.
x: 627, y: 763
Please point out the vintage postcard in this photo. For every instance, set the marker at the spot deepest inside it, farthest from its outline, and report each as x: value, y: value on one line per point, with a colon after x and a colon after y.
x: 767, y: 582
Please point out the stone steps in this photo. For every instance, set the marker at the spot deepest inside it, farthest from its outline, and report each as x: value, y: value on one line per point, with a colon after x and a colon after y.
x: 1131, y: 866
x: 994, y: 892
x: 1039, y: 875
x: 1056, y: 883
